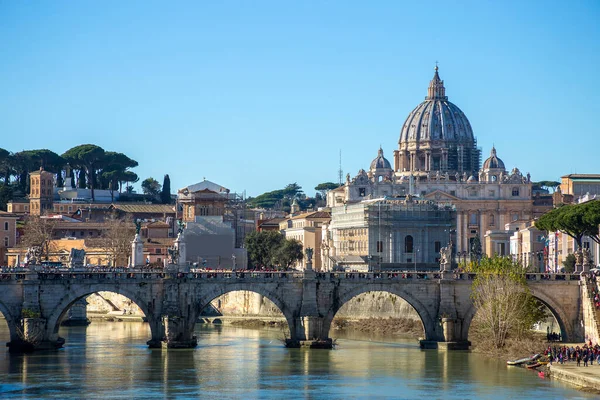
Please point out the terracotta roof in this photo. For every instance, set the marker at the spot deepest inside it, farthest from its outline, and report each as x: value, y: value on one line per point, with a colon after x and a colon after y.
x: 582, y: 176
x: 205, y: 185
x: 80, y: 225
x: 272, y: 221
x: 157, y: 224
x: 145, y: 208
x: 160, y: 241
x: 313, y: 215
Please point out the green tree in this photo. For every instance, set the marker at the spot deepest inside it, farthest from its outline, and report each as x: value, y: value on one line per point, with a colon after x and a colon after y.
x: 89, y: 157
x: 261, y: 247
x: 569, y: 263
x: 292, y: 190
x: 150, y: 186
x: 111, y: 167
x: 165, y: 194
x: 5, y: 168
x: 6, y: 194
x: 502, y: 299
x: 325, y: 187
x: 287, y: 253
x: 548, y: 185
x: 575, y: 220
x: 129, y: 177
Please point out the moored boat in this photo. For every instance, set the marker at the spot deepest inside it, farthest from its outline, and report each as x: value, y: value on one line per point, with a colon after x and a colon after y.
x: 524, y: 360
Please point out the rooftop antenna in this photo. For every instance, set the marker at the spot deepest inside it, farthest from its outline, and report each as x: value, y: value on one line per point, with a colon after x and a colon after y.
x: 340, y: 172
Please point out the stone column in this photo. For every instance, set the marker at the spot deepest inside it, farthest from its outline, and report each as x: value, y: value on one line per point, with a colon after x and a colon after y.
x: 180, y: 245
x: 309, y: 329
x: 413, y: 160
x: 137, y: 251
x: 465, y: 224
x: 178, y: 333
x: 444, y: 160
x: 459, y: 231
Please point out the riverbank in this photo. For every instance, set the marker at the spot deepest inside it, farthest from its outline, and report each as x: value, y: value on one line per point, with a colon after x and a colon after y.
x: 115, y: 317
x: 381, y: 326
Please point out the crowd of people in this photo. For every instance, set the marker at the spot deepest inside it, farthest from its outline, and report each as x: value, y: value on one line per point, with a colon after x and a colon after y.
x: 585, y: 354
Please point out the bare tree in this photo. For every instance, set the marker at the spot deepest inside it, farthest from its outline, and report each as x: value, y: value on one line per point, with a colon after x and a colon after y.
x: 503, y: 302
x: 116, y: 239
x: 38, y: 232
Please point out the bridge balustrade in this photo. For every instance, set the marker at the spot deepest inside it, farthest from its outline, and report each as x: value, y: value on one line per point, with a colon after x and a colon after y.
x: 8, y: 274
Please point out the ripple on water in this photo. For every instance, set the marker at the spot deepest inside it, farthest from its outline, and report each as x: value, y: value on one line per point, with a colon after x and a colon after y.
x: 111, y: 361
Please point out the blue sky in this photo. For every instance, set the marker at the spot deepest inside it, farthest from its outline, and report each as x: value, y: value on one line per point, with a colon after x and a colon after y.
x: 254, y: 95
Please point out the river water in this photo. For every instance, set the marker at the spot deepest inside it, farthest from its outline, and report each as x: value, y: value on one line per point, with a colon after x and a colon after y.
x: 110, y: 360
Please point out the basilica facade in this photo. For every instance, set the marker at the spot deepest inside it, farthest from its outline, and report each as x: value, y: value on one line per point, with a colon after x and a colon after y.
x: 438, y: 160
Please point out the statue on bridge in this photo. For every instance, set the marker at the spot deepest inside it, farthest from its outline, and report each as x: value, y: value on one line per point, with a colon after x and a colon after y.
x: 180, y: 226
x: 446, y: 254
x: 173, y: 255
x: 138, y: 225
x: 476, y: 248
x: 76, y: 258
x: 446, y: 257
x: 309, y: 254
x: 33, y: 256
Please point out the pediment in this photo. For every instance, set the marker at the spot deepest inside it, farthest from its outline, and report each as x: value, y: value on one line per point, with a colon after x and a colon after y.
x: 440, y: 195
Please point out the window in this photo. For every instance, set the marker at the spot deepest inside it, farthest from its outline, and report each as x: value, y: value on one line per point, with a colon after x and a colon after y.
x: 379, y: 246
x: 492, y: 221
x: 438, y: 246
x: 408, y: 244
x: 362, y: 192
x: 5, y: 241
x: 515, y: 216
x: 472, y: 219
x: 515, y: 191
x: 453, y: 193
x: 491, y: 193
x: 6, y: 226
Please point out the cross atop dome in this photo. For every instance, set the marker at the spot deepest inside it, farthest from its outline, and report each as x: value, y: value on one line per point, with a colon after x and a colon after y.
x: 436, y: 90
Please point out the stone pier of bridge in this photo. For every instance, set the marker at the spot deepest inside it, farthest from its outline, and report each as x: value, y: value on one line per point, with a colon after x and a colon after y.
x: 35, y: 301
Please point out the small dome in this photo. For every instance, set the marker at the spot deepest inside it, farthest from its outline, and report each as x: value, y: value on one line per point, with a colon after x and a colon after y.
x: 493, y: 162
x: 380, y: 162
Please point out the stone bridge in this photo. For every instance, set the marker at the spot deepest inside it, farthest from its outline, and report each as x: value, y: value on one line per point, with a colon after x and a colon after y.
x: 34, y: 302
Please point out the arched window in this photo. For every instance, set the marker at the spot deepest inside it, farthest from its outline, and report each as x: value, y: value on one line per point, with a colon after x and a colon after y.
x: 515, y: 191
x: 408, y: 244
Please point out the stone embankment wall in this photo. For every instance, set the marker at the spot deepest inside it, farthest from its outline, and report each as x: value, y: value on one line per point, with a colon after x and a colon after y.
x: 106, y: 302
x: 366, y: 305
x: 590, y: 315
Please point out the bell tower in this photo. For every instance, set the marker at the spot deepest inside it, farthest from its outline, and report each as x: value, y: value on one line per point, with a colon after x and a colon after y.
x: 41, y: 192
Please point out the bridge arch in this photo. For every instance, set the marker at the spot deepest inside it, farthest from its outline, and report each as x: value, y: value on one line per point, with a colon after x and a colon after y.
x: 428, y: 320
x: 57, y: 314
x: 557, y: 311
x: 10, y: 321
x: 215, y: 291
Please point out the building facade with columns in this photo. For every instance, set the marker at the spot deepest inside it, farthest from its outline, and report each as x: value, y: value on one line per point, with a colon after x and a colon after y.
x: 389, y: 233
x: 437, y: 159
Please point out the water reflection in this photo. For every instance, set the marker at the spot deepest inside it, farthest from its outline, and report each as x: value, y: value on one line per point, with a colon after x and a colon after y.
x: 110, y: 360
